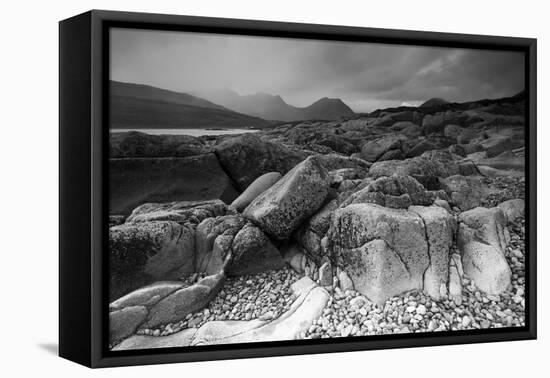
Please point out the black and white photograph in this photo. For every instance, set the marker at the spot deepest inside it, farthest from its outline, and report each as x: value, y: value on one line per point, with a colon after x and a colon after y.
x: 265, y: 189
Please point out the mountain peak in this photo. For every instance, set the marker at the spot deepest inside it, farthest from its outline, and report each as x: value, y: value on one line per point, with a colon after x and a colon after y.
x: 433, y: 102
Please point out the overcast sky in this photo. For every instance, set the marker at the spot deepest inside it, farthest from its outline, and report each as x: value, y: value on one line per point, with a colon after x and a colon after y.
x: 364, y: 76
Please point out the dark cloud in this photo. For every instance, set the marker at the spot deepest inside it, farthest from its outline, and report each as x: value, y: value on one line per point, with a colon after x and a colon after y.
x: 365, y: 76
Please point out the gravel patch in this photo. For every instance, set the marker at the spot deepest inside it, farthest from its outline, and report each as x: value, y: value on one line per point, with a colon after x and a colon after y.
x: 262, y: 296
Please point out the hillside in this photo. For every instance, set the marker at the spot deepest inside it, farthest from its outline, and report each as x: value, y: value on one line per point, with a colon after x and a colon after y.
x: 142, y: 106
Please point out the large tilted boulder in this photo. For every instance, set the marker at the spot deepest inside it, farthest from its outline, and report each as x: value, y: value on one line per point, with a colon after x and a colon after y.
x: 142, y: 253
x: 282, y: 208
x: 482, y: 239
x: 260, y: 185
x: 248, y: 157
x: 440, y: 230
x: 135, y: 181
x: 383, y: 250
x: 249, y: 249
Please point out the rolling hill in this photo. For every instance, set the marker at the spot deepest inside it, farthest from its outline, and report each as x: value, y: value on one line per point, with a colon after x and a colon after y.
x: 143, y: 106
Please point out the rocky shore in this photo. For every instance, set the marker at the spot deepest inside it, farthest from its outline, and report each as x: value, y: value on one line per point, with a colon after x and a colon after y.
x: 402, y: 220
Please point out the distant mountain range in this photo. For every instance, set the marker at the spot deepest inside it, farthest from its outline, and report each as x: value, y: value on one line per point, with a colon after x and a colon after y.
x: 143, y: 106
x: 273, y: 107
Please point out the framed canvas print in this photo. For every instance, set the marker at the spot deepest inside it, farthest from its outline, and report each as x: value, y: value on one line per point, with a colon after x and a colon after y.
x: 233, y: 188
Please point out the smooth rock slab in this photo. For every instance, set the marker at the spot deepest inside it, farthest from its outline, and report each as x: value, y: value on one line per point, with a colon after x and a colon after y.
x: 179, y: 339
x: 309, y: 305
x: 146, y: 296
x: 123, y: 323
x: 306, y: 308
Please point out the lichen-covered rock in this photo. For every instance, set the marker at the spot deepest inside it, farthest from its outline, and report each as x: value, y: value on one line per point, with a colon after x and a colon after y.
x: 380, y: 273
x: 485, y: 225
x: 383, y: 250
x: 482, y: 239
x: 486, y: 266
x: 440, y: 229
x: 213, y: 241
x: 253, y: 253
x: 426, y: 168
x: 513, y: 209
x: 282, y: 208
x: 396, y: 154
x: 248, y: 157
x: 184, y: 212
x: 421, y: 147
x: 372, y: 150
x: 177, y: 305
x: 142, y: 253
x: 452, y: 131
x: 396, y: 191
x: 466, y: 192
x: 260, y: 185
x: 236, y: 245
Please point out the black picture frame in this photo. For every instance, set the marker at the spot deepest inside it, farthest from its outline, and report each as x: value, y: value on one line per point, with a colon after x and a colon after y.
x: 83, y: 151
